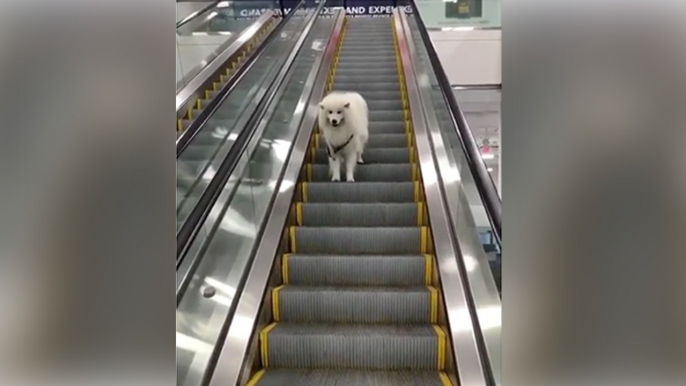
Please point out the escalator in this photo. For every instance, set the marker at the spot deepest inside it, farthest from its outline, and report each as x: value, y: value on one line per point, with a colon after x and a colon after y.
x: 359, y: 298
x: 292, y: 279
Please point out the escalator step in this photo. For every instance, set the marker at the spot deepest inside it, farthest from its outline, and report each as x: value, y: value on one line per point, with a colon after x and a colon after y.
x: 359, y: 347
x: 360, y: 214
x: 282, y: 377
x: 363, y: 270
x: 354, y: 71
x: 361, y: 192
x: 386, y: 156
x: 379, y: 78
x: 362, y: 87
x: 349, y: 240
x: 372, y: 172
x: 379, y: 141
x: 390, y: 305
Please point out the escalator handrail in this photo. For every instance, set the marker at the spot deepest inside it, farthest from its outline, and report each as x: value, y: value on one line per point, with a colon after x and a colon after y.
x: 196, y: 14
x: 187, y: 136
x: 484, y: 183
x: 197, y: 217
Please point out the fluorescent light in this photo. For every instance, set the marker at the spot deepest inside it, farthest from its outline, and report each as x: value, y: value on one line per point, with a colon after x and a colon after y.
x: 487, y: 156
x: 490, y: 169
x: 223, y: 4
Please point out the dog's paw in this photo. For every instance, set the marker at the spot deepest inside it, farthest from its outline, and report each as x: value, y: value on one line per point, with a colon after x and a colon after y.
x: 360, y: 162
x: 335, y: 178
x: 350, y: 179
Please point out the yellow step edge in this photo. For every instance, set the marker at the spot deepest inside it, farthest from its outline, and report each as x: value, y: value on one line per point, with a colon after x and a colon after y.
x: 264, y: 344
x: 179, y: 124
x: 198, y: 104
x: 413, y: 172
x: 420, y: 213
x: 299, y: 213
x: 428, y: 268
x: 424, y: 239
x: 291, y: 236
x: 433, y: 311
x: 284, y: 268
x: 445, y: 380
x: 411, y: 149
x: 276, y: 311
x: 416, y: 191
x: 256, y: 378
x: 304, y: 191
x: 207, y: 94
x: 440, y: 335
x: 309, y: 172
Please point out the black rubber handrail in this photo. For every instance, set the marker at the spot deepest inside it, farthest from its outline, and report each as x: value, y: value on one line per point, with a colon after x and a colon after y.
x: 484, y: 182
x: 204, y: 205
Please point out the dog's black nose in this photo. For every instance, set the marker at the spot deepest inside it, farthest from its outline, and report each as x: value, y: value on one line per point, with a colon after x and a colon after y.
x: 334, y: 122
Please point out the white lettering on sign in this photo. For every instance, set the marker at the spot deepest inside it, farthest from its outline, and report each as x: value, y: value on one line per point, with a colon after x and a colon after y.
x: 374, y: 9
x: 355, y: 10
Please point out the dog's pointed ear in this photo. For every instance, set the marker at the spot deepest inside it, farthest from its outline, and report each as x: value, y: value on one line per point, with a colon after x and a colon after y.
x: 321, y: 106
x: 347, y: 105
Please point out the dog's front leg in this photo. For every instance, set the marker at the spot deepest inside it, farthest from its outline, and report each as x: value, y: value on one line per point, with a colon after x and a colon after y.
x: 335, y: 167
x: 350, y: 163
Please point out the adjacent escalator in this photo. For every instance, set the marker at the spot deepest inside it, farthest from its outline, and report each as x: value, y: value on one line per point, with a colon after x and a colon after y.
x: 198, y: 162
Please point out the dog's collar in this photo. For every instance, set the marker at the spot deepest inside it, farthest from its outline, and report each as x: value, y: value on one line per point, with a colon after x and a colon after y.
x: 331, y: 152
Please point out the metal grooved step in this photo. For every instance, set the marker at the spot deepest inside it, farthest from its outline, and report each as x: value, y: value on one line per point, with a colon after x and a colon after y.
x: 358, y: 306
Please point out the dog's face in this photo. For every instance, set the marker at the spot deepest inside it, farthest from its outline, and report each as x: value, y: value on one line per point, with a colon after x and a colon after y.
x: 334, y: 111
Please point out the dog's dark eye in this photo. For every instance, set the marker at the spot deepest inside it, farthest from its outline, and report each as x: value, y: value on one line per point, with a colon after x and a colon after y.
x: 340, y: 112
x: 330, y: 112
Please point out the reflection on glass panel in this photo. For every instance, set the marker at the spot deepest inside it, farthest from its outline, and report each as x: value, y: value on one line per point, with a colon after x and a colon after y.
x: 481, y: 108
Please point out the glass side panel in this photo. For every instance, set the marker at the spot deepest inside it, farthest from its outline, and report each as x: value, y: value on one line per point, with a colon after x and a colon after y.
x: 198, y: 163
x: 458, y: 172
x: 232, y: 235
x: 481, y: 108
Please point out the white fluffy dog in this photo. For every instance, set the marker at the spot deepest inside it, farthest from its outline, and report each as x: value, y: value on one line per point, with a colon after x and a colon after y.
x: 343, y: 120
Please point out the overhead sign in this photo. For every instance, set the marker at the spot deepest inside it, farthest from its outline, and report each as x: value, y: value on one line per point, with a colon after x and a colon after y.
x: 355, y: 8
